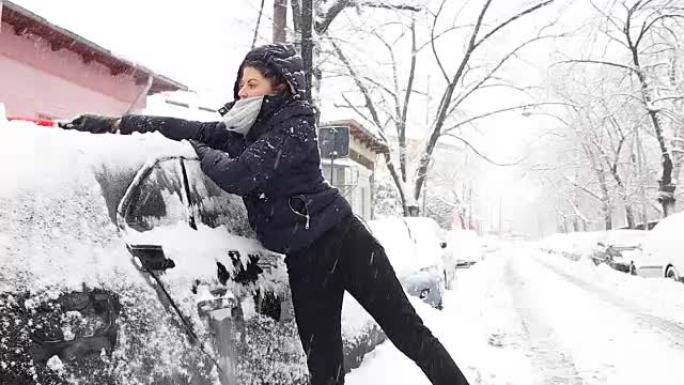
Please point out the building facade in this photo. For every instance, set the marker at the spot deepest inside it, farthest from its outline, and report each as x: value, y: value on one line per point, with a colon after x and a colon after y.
x: 354, y: 174
x: 47, y: 72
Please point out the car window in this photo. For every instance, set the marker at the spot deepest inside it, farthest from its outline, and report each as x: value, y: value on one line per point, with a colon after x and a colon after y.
x: 158, y: 199
x: 213, y: 206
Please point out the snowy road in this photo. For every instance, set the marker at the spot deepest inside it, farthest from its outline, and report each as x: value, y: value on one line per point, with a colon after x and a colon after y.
x: 525, y: 317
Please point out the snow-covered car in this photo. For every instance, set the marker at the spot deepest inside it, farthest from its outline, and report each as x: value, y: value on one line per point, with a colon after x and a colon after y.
x: 573, y: 246
x: 465, y: 248
x: 77, y: 209
x: 619, y: 249
x: 662, y: 250
x: 416, y: 253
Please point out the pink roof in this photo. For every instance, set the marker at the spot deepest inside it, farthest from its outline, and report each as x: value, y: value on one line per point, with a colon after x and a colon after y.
x: 24, y: 21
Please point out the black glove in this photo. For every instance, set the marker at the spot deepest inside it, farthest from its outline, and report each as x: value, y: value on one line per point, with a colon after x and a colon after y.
x: 91, y: 123
x: 200, y: 148
x: 172, y: 128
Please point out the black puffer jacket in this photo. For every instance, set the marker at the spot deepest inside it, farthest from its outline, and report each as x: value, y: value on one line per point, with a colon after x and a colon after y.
x: 275, y: 168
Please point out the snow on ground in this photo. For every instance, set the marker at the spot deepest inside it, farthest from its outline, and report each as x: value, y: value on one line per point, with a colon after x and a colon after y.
x: 527, y: 317
x: 476, y: 314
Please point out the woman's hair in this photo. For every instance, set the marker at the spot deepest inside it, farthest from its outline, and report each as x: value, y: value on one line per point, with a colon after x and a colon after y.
x: 278, y: 82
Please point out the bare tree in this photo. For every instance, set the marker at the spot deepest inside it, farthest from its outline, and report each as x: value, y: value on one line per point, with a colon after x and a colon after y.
x: 388, y: 103
x: 312, y: 18
x: 637, y: 28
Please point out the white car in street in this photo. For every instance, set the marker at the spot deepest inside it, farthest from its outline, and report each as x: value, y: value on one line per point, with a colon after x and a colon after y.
x: 466, y: 248
x: 415, y: 249
x: 663, y: 251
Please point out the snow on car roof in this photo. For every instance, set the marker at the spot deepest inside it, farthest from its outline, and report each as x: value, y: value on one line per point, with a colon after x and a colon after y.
x: 666, y: 234
x: 36, y: 157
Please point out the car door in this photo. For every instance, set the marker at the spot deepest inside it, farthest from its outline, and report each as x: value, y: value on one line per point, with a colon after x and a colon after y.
x: 163, y: 211
x: 187, y: 262
x: 225, y: 213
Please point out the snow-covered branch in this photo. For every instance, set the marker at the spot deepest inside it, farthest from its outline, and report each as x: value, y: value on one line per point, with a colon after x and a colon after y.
x: 502, y: 110
x: 482, y: 155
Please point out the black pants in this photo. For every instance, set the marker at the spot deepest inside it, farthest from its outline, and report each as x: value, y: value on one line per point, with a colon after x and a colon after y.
x: 349, y: 258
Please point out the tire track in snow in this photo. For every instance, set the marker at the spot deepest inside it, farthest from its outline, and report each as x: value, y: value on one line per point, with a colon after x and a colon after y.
x: 672, y: 330
x: 555, y: 365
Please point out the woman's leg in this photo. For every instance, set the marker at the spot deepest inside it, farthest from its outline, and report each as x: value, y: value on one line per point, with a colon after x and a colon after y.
x: 370, y: 278
x: 317, y: 292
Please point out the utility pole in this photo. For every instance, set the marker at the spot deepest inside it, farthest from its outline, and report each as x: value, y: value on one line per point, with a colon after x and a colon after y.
x: 308, y: 44
x: 280, y: 21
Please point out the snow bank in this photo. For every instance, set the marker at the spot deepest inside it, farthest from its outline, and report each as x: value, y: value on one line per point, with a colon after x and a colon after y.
x: 582, y: 243
x: 656, y: 296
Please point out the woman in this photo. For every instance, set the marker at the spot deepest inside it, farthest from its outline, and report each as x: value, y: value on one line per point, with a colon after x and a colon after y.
x: 266, y: 151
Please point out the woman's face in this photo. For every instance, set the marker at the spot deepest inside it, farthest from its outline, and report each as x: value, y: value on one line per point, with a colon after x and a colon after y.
x: 253, y: 83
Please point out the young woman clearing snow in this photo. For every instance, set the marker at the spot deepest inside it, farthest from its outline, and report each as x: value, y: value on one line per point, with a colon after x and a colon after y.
x: 266, y: 151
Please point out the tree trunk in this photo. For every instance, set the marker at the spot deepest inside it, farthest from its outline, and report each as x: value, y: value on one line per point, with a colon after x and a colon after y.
x: 666, y: 188
x: 629, y: 216
x: 606, y: 206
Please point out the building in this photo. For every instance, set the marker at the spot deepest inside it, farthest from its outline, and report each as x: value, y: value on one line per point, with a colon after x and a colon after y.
x: 354, y: 174
x: 47, y: 72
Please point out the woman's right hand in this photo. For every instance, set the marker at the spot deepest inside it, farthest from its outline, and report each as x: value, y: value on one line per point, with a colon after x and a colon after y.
x: 92, y: 123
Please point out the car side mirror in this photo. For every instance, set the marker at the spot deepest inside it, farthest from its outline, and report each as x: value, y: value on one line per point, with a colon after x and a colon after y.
x: 443, y: 245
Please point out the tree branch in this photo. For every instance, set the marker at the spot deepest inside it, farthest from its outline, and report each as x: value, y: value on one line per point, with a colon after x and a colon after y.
x: 611, y: 64
x: 256, y: 29
x: 433, y: 39
x: 645, y: 28
x: 512, y: 19
x: 322, y: 26
x: 397, y: 7
x: 483, y: 156
x: 359, y: 84
x: 495, y: 112
x: 491, y: 73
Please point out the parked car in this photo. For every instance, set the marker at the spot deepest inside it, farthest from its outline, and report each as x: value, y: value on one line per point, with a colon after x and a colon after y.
x: 77, y: 209
x: 415, y: 249
x: 466, y: 248
x: 619, y: 249
x: 662, y: 250
x: 573, y: 246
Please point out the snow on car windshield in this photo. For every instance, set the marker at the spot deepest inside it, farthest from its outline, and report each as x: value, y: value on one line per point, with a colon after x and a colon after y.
x: 56, y: 229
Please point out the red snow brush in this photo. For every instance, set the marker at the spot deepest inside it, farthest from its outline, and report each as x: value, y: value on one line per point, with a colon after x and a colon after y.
x: 40, y: 122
